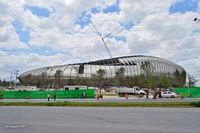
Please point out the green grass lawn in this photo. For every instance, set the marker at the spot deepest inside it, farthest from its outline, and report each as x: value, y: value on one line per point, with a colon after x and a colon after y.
x: 102, y: 104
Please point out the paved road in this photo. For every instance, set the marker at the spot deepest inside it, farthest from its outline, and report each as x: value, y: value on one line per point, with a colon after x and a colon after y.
x: 98, y: 120
x: 109, y: 99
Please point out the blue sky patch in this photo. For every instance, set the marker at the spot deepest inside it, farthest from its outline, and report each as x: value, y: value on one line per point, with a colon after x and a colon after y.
x: 43, y: 51
x: 83, y: 19
x: 112, y: 8
x: 196, y: 30
x: 39, y: 11
x: 117, y: 38
x: 34, y: 50
x: 120, y: 38
x: 22, y: 32
x: 127, y: 25
x: 15, y: 51
x: 184, y: 6
x: 95, y: 10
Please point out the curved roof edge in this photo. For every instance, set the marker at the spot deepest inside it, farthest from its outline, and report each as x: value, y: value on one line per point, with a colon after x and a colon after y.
x: 109, y: 61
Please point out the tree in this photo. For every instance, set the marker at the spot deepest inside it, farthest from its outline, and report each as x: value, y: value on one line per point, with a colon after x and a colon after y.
x: 183, y: 78
x: 164, y: 81
x: 79, y: 80
x: 57, y: 78
x: 120, y: 76
x: 1, y: 94
x: 99, y: 78
x: 42, y: 80
x: 180, y: 78
x: 191, y: 81
x: 130, y: 81
x: 5, y: 83
x: 134, y: 81
x: 146, y: 77
x: 1, y: 83
x: 147, y: 68
x: 28, y: 79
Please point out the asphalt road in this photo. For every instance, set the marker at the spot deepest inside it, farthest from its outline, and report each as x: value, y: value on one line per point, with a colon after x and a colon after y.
x: 98, y: 120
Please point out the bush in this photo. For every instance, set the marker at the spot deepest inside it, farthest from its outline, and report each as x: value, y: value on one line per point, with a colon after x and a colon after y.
x: 1, y: 94
x: 196, y: 104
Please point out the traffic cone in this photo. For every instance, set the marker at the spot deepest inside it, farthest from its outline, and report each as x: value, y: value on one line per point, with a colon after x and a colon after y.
x: 181, y: 96
x: 126, y: 96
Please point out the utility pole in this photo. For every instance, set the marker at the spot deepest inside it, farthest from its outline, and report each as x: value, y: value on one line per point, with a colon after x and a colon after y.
x: 11, y: 78
x: 16, y: 72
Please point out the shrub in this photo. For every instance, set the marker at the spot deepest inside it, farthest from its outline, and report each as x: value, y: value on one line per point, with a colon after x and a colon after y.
x: 1, y: 94
x: 196, y: 104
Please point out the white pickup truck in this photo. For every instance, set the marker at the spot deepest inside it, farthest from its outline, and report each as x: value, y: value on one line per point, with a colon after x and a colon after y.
x: 131, y: 91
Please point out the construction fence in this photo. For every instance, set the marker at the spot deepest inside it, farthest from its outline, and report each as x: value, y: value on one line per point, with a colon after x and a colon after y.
x: 189, y: 92
x: 60, y: 94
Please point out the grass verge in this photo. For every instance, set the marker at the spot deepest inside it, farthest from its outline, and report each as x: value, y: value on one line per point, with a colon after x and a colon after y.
x: 102, y: 104
x: 195, y: 104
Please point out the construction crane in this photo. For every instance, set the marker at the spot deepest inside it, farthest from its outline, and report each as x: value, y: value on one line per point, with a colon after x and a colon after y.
x: 102, y: 38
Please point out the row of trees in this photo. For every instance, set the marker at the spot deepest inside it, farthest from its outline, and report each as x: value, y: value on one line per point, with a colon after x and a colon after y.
x: 4, y: 83
x: 146, y: 79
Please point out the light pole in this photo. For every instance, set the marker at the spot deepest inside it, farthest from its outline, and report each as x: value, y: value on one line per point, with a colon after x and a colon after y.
x: 16, y: 72
x: 196, y: 19
x: 11, y: 78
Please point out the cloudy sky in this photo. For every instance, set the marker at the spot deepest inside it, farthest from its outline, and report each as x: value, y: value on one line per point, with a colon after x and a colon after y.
x: 38, y: 33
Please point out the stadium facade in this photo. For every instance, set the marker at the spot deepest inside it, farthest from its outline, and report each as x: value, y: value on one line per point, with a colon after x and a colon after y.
x: 129, y: 67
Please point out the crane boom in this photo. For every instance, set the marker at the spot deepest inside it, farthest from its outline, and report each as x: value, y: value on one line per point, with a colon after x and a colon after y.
x: 102, y: 38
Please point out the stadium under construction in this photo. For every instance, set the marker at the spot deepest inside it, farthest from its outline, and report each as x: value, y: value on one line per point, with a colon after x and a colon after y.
x: 137, y: 70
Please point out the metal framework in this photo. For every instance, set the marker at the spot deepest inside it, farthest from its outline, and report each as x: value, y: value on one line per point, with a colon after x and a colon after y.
x: 131, y: 65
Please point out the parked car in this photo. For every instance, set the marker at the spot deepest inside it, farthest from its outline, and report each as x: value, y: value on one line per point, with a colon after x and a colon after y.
x: 169, y: 94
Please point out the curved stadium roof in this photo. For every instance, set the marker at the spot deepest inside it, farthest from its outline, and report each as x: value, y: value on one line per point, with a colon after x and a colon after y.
x: 131, y: 65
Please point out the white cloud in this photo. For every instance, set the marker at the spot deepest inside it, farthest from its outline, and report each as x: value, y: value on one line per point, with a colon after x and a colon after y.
x: 8, y: 36
x: 135, y: 11
x: 155, y: 32
x: 25, y: 62
x: 107, y: 23
x: 192, y: 66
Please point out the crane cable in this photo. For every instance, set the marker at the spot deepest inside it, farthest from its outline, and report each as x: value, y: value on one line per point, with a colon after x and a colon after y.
x: 102, y: 38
